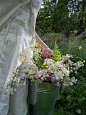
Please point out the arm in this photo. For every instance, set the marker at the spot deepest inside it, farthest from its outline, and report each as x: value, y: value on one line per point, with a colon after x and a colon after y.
x: 46, y: 51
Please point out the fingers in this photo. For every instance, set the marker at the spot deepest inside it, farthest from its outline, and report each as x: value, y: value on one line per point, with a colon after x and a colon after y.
x: 47, y: 50
x: 46, y: 54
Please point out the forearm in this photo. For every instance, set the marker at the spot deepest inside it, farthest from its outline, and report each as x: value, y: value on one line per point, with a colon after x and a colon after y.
x: 42, y: 45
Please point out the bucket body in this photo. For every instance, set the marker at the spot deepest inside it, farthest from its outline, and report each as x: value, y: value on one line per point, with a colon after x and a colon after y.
x: 42, y: 98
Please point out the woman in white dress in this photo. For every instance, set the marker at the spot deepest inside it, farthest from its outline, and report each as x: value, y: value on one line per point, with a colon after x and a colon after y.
x: 17, y: 33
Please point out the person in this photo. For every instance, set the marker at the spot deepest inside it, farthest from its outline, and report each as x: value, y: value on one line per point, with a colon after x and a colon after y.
x: 17, y: 33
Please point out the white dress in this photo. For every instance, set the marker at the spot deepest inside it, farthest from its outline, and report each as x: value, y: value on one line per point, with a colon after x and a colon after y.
x: 17, y: 33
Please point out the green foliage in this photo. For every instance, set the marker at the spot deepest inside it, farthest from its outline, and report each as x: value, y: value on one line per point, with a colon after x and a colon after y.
x: 72, y: 100
x: 38, y: 59
x: 56, y: 53
x: 63, y: 17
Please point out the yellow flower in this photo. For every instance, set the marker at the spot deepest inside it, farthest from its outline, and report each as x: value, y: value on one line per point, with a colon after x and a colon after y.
x: 28, y: 50
x: 37, y: 44
x: 21, y: 54
x: 44, y: 63
x: 80, y: 47
x: 84, y: 61
x: 22, y: 61
x: 42, y: 66
x: 31, y: 47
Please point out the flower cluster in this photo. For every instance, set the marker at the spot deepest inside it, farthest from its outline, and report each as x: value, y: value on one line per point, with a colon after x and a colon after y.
x: 40, y: 70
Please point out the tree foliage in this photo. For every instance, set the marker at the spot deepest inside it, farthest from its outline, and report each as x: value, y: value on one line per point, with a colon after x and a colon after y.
x: 63, y: 17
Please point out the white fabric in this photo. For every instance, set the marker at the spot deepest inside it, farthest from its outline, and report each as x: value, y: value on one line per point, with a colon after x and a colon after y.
x: 18, y: 101
x: 9, y: 8
x: 4, y: 104
x: 15, y: 37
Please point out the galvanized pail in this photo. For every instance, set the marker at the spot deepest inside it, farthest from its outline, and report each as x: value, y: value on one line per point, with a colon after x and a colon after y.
x: 42, y: 98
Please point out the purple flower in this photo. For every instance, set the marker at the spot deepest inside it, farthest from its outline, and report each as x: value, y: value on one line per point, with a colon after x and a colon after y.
x: 69, y: 60
x: 58, y: 84
x: 71, y: 56
x: 53, y: 78
x: 48, y: 71
x: 40, y: 69
x: 63, y: 87
x: 24, y: 78
x: 62, y: 83
x: 45, y: 60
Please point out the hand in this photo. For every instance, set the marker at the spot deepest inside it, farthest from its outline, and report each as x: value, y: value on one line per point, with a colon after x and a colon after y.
x: 47, y: 53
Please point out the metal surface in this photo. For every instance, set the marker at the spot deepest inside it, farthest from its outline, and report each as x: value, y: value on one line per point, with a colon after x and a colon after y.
x: 42, y: 98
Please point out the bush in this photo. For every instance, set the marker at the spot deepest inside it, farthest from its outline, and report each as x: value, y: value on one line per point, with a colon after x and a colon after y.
x: 72, y: 100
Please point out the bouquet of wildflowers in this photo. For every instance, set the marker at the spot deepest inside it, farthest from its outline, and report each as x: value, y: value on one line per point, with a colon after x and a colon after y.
x: 56, y: 70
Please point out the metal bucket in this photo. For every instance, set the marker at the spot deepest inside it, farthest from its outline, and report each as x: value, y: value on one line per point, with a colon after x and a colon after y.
x: 42, y: 98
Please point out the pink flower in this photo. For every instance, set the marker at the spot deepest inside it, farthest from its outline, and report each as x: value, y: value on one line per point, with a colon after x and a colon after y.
x: 66, y: 64
x: 36, y: 76
x: 48, y: 71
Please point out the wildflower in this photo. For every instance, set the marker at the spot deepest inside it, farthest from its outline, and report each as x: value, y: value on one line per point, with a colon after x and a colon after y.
x: 28, y: 50
x: 42, y: 66
x: 53, y: 78
x: 80, y: 47
x: 36, y: 76
x: 21, y: 54
x: 45, y: 60
x: 69, y: 60
x: 22, y: 61
x: 48, y: 71
x: 84, y: 61
x: 63, y: 87
x: 62, y: 83
x: 24, y: 78
x: 44, y: 63
x: 37, y: 44
x: 71, y: 56
x: 66, y: 64
x: 31, y: 47
x: 71, y: 84
x: 40, y: 69
x: 58, y: 84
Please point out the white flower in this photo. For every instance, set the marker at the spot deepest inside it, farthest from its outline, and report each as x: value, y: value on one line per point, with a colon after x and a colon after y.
x: 50, y: 61
x: 65, y: 57
x: 65, y: 71
x: 73, y: 80
x: 59, y: 75
x: 44, y: 73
